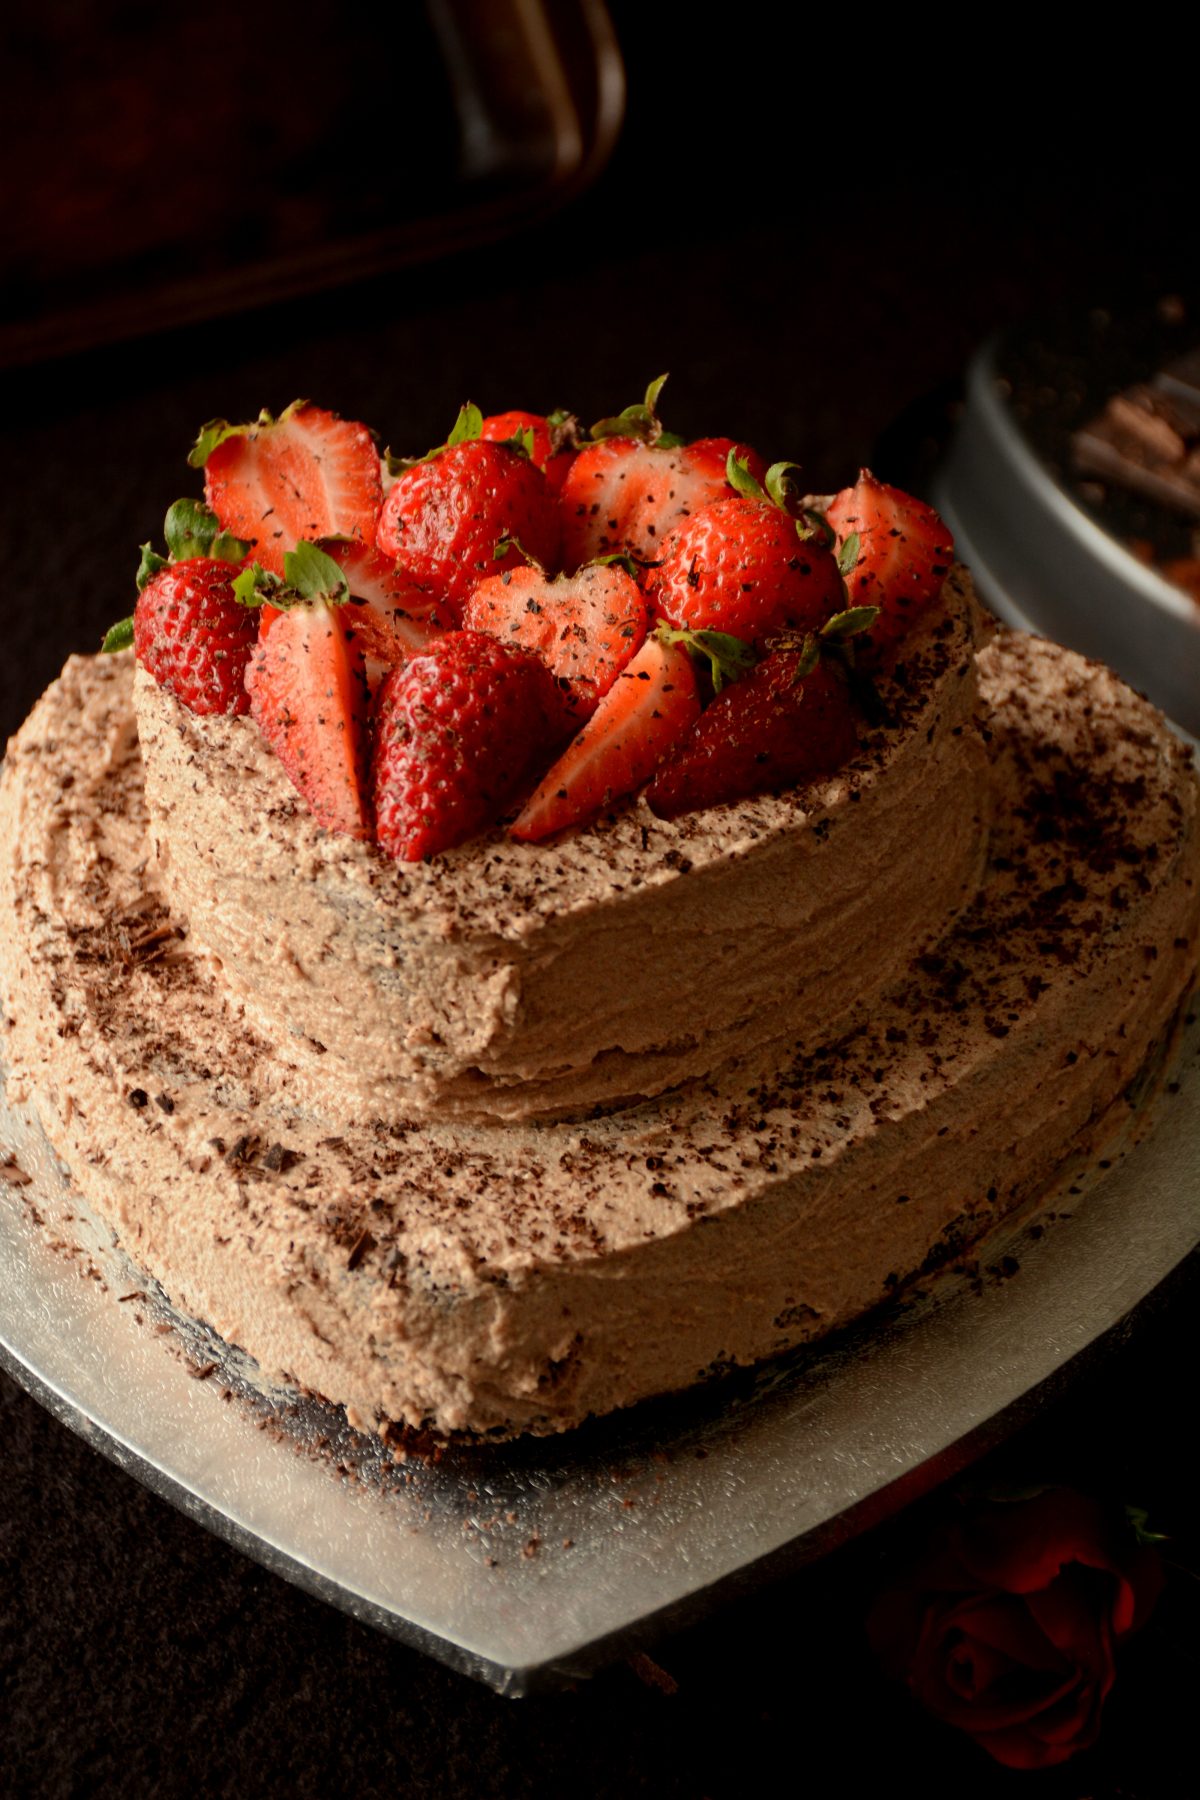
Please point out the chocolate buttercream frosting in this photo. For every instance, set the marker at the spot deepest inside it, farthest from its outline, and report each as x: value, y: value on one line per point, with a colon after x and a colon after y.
x: 524, y: 1135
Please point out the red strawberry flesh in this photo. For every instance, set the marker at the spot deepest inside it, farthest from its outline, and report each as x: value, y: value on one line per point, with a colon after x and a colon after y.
x: 585, y: 627
x: 738, y: 566
x: 904, y: 553
x: 500, y: 428
x: 308, y: 693
x: 649, y: 709
x: 307, y: 475
x: 622, y: 494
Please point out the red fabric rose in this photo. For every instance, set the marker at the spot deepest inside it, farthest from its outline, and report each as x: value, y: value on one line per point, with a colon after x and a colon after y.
x: 1007, y: 1628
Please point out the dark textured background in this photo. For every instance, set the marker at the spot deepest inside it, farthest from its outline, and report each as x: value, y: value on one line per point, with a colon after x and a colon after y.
x: 812, y: 232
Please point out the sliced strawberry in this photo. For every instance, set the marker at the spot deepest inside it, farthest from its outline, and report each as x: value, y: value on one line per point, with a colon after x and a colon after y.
x: 387, y: 639
x: 773, y: 728
x: 379, y: 580
x: 308, y: 693
x: 896, y: 551
x: 307, y: 474
x: 585, y: 627
x: 459, y: 730
x: 190, y: 633
x: 649, y: 709
x: 739, y: 566
x: 396, y: 617
x: 624, y: 495
x: 444, y: 517
x: 553, y: 440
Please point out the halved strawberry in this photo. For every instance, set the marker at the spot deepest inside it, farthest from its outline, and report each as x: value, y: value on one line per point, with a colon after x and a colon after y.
x: 896, y: 552
x: 585, y: 627
x: 622, y: 495
x: 626, y: 489
x: 650, y: 708
x: 390, y: 615
x: 774, y: 727
x: 306, y: 475
x: 379, y: 580
x: 459, y: 730
x: 308, y: 693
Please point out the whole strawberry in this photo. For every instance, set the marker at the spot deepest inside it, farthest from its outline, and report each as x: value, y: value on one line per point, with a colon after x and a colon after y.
x: 785, y: 722
x: 446, y: 514
x: 188, y: 629
x: 459, y: 730
x: 743, y: 565
x: 190, y: 634
x: 551, y: 439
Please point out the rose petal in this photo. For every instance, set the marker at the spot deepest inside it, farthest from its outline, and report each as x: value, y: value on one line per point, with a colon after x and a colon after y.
x: 1016, y: 1693
x: 1073, y: 1613
x: 1020, y: 1547
x: 1004, y: 1622
x: 1075, y: 1719
x: 1017, y: 1749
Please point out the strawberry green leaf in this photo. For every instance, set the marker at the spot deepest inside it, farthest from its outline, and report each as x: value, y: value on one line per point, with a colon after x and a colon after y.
x: 779, y: 487
x: 625, y: 558
x: 312, y: 577
x: 253, y: 585
x: 1139, y: 1519
x: 847, y: 556
x: 639, y: 421
x: 467, y: 426
x: 728, y: 657
x: 654, y: 389
x: 192, y: 529
x: 737, y: 474
x: 117, y: 637
x: 849, y: 623
x: 217, y: 430
x: 521, y: 441
x: 810, y: 656
x: 815, y: 524
x: 149, y: 566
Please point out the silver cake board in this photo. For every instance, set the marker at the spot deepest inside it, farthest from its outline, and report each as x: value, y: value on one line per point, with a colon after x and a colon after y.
x: 530, y: 1564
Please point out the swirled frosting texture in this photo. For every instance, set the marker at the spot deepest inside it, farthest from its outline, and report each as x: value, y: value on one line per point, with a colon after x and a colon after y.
x: 519, y: 1277
x: 517, y: 982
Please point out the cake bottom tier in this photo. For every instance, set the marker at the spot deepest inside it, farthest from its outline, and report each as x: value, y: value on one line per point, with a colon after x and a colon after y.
x: 506, y: 1279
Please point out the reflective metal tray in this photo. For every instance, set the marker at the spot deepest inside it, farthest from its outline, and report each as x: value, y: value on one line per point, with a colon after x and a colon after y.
x: 532, y: 1563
